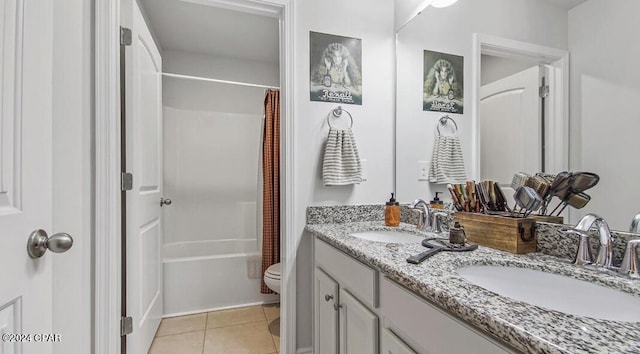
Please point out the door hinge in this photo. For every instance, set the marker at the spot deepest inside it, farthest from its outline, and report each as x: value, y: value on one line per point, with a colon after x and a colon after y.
x: 544, y: 91
x: 126, y: 326
x: 125, y: 36
x: 126, y: 181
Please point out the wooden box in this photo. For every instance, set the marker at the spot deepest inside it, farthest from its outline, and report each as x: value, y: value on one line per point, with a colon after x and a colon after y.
x: 506, y: 233
x: 548, y: 218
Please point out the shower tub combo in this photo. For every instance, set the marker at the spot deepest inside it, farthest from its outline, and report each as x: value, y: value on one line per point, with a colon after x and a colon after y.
x: 202, y: 276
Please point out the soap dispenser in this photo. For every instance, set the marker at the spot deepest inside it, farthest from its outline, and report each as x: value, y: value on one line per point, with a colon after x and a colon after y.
x: 392, y: 213
x: 436, y: 203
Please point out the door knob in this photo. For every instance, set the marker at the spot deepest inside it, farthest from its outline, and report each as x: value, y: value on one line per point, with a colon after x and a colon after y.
x: 165, y: 201
x: 39, y: 242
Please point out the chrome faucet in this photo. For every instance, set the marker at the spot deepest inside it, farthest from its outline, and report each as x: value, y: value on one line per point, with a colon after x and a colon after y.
x: 436, y: 224
x: 635, y: 224
x: 630, y: 264
x: 424, y: 217
x: 605, y: 249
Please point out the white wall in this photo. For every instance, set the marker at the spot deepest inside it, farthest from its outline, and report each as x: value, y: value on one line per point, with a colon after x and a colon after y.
x: 224, y: 68
x: 605, y: 101
x: 451, y: 30
x: 372, y: 21
x: 73, y: 174
x: 404, y: 10
x: 207, y: 96
x: 212, y: 140
x: 495, y: 68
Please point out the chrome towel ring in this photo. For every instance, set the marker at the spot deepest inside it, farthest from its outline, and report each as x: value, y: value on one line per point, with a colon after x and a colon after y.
x: 337, y: 113
x: 443, y: 122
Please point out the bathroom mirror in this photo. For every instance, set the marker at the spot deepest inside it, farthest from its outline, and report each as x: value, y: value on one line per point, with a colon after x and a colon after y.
x: 586, y: 50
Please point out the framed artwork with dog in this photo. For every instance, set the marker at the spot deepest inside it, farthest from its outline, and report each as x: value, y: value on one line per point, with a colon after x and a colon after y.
x: 443, y: 86
x: 336, y: 68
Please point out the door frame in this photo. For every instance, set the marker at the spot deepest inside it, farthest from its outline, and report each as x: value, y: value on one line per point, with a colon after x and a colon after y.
x: 509, y: 48
x: 107, y: 286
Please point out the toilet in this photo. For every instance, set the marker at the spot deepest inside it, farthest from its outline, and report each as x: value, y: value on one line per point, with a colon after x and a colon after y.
x: 272, y: 277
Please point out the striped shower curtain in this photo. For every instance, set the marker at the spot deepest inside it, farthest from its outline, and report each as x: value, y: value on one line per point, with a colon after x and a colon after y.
x: 271, y: 184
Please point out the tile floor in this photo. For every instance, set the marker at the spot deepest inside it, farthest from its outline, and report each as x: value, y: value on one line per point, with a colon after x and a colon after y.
x: 254, y: 329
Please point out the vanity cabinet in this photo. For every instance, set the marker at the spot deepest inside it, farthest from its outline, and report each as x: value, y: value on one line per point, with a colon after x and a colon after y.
x: 429, y: 329
x: 326, y: 313
x: 358, y: 326
x: 391, y: 344
x: 345, y: 297
x: 357, y: 310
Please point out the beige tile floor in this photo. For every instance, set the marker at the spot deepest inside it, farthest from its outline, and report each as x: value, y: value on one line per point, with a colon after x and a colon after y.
x: 246, y: 330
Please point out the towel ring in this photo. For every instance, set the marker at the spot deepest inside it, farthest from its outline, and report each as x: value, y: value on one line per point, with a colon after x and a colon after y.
x: 337, y: 112
x: 443, y: 121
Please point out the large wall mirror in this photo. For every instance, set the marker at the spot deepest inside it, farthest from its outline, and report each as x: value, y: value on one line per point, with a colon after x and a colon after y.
x: 584, y: 55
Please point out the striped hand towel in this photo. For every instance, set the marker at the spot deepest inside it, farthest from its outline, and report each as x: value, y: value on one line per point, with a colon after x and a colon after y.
x: 447, y: 164
x: 341, y: 163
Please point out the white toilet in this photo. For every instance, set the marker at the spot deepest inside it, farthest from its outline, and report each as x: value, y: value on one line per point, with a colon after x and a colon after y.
x: 272, y: 277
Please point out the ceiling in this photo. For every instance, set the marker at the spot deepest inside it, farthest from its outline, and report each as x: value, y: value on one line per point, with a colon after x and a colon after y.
x: 566, y: 4
x: 210, y: 30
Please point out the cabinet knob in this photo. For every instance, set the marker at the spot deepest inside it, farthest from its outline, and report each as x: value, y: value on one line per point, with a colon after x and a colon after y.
x: 328, y: 297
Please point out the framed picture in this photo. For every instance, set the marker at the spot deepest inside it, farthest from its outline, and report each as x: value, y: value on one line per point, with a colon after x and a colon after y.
x: 443, y: 82
x: 335, y: 65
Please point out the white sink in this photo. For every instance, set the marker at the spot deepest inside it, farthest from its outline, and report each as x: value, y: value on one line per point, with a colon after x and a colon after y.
x: 387, y: 236
x: 556, y: 292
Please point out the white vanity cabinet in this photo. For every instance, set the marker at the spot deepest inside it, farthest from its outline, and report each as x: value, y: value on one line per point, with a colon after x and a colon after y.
x: 391, y: 344
x: 346, y: 294
x: 326, y: 313
x: 357, y: 310
x: 429, y: 329
x: 358, y: 326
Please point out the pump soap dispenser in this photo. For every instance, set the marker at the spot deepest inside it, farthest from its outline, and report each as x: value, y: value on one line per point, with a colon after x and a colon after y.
x: 392, y: 213
x: 436, y: 203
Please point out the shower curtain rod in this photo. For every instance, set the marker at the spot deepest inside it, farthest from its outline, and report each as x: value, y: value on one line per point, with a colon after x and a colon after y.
x: 218, y: 81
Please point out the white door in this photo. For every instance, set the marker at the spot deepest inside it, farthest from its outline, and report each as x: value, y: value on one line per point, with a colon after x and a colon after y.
x: 326, y: 314
x: 144, y: 161
x: 358, y: 326
x: 26, y: 68
x: 510, y: 128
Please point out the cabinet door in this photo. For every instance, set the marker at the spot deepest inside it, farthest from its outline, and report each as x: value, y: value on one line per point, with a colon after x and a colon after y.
x: 358, y: 326
x: 326, y: 314
x: 390, y: 344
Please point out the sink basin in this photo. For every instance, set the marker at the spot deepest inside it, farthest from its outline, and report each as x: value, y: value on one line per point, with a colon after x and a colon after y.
x: 387, y: 236
x: 556, y: 292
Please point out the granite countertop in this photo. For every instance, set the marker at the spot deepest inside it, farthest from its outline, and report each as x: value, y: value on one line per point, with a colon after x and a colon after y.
x: 525, y: 327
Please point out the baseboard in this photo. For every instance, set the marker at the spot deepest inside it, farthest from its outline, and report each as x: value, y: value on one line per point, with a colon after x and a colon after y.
x: 177, y: 314
x: 308, y: 350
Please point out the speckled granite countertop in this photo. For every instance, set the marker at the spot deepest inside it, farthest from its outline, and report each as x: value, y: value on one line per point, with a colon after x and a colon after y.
x: 525, y: 327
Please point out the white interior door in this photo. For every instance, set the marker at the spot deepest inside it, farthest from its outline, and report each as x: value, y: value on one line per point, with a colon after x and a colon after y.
x: 510, y: 128
x: 144, y: 161
x: 26, y: 69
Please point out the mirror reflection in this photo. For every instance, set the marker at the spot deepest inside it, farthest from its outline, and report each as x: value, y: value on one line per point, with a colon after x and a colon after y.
x: 544, y: 86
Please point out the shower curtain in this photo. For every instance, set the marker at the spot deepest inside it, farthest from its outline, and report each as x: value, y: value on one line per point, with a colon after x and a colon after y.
x: 271, y: 184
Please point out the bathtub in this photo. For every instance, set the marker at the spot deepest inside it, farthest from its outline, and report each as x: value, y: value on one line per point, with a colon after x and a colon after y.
x: 204, y: 276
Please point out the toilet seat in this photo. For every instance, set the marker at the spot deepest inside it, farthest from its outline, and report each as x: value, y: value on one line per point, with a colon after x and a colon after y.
x: 272, y: 277
x: 273, y: 271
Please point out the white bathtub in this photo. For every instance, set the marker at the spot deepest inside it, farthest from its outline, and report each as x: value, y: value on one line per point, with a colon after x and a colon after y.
x: 211, y: 275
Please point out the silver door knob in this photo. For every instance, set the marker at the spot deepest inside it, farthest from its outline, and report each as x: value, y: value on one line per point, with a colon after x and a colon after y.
x: 165, y: 201
x: 39, y: 242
